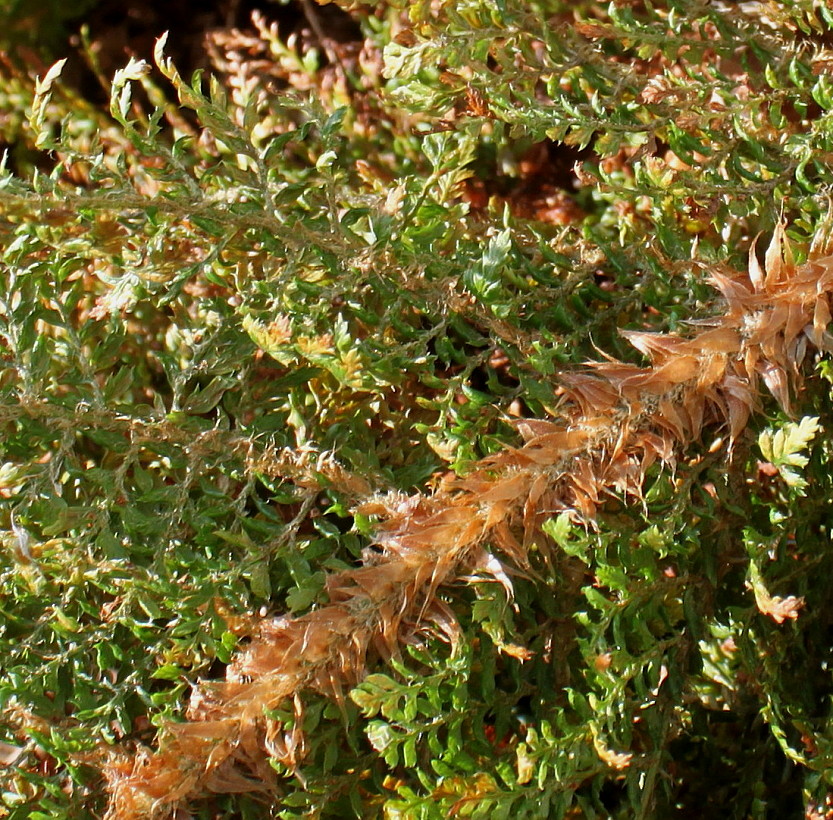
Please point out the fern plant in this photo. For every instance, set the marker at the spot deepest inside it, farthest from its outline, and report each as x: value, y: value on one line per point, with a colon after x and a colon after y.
x: 427, y: 426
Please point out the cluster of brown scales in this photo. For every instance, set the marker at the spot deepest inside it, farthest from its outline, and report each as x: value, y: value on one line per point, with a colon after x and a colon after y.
x: 616, y: 420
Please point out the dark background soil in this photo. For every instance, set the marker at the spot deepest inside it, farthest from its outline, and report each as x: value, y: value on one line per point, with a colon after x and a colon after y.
x: 120, y: 30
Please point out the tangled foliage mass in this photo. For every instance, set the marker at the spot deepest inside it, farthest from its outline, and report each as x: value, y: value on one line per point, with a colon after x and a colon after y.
x: 421, y: 415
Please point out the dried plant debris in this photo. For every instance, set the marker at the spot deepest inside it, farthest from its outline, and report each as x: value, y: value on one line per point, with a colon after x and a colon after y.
x: 617, y: 419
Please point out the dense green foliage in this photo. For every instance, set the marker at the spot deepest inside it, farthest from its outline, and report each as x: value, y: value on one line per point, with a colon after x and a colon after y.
x: 233, y: 307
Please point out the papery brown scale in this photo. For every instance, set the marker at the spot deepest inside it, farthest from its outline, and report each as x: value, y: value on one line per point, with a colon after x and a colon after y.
x: 773, y: 260
x: 251, y: 747
x: 208, y: 733
x: 510, y: 488
x: 647, y: 382
x: 231, y: 694
x: 617, y: 421
x: 429, y: 576
x: 381, y: 581
x: 373, y: 507
x: 747, y: 368
x: 623, y: 473
x: 740, y: 298
x: 412, y: 548
x: 637, y: 469
x: 658, y: 347
x: 685, y: 421
x: 542, y: 457
x: 533, y: 428
x: 488, y: 466
x: 349, y: 663
x: 585, y: 480
x: 712, y: 370
x: 264, y: 657
x: 367, y: 581
x: 152, y: 784
x: 670, y: 418
x: 331, y: 685
x: 444, y: 618
x: 777, y: 383
x: 312, y: 645
x: 658, y: 445
x: 739, y: 389
x: 589, y: 393
x: 598, y: 427
x: 248, y: 700
x: 573, y: 498
x: 612, y: 450
x: 798, y: 351
x: 719, y: 340
x: 389, y: 620
x: 475, y: 483
x: 532, y: 507
x: 695, y: 403
x: 539, y: 486
x: 739, y: 412
x: 217, y: 757
x: 715, y: 409
x: 360, y: 643
x: 821, y: 319
x: 206, y: 699
x: 276, y: 742
x: 618, y: 373
x: 276, y: 631
x: 444, y: 538
x: 276, y: 648
x: 158, y: 777
x: 563, y: 442
x: 769, y: 325
x: 755, y: 271
x: 823, y: 279
x: 643, y: 382
x: 505, y: 539
x: 679, y: 370
x: 586, y: 505
x: 495, y: 513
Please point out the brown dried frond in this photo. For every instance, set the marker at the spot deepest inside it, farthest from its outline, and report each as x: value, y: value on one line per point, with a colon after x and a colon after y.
x: 617, y: 420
